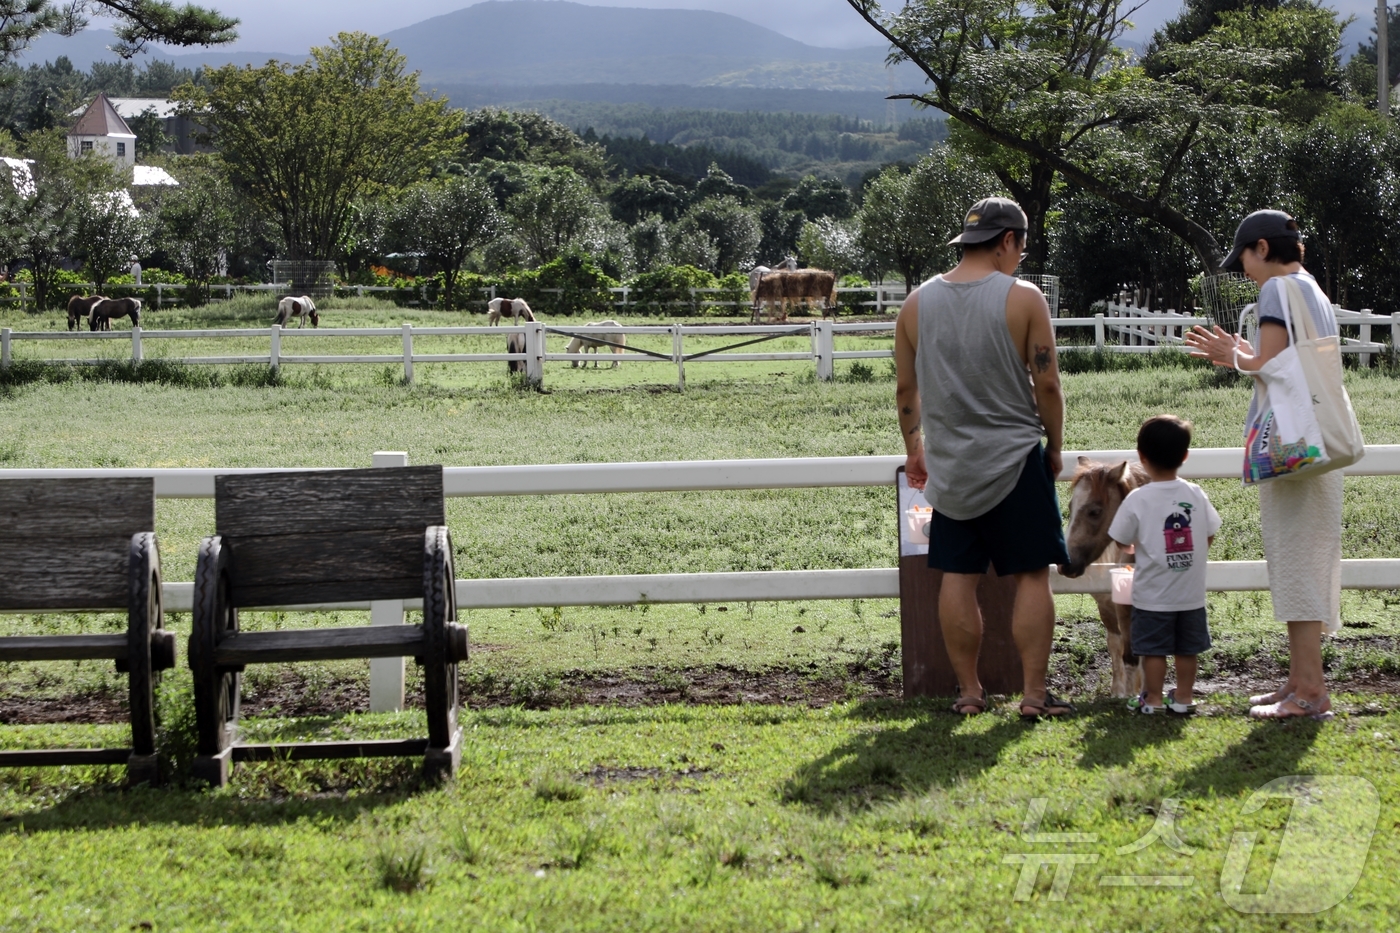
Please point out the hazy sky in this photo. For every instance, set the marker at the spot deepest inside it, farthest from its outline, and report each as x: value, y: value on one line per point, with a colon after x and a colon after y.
x: 295, y: 25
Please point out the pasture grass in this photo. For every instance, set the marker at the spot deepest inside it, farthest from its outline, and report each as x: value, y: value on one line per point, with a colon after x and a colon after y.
x: 857, y: 816
x: 778, y: 810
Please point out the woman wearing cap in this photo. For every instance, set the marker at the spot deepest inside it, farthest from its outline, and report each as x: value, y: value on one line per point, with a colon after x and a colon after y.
x: 1301, y: 518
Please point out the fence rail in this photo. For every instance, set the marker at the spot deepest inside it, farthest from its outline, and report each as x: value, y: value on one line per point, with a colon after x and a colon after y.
x: 1138, y: 331
x: 679, y: 476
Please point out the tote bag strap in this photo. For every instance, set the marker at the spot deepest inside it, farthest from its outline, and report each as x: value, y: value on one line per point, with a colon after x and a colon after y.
x: 1299, y: 315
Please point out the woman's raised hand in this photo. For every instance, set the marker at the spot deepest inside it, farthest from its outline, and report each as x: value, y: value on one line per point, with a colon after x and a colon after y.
x: 1216, y: 345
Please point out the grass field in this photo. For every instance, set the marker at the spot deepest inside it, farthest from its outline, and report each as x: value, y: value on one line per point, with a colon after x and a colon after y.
x: 726, y: 767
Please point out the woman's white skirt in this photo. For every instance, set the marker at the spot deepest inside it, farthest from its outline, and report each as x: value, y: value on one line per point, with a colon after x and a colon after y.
x: 1301, y: 521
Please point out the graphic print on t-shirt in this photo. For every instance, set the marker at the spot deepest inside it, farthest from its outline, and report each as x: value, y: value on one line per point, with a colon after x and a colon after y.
x: 1181, y: 551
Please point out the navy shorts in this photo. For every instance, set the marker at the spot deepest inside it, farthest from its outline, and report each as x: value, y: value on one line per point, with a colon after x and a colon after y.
x: 1021, y: 533
x: 1158, y: 634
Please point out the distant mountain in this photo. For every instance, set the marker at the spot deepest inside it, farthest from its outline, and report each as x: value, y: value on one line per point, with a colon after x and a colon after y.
x: 537, y: 42
x: 91, y: 45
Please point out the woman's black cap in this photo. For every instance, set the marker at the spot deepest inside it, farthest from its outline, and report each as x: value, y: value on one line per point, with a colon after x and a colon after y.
x: 1261, y: 225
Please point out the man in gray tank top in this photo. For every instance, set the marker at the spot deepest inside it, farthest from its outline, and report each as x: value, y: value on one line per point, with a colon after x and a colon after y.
x: 978, y: 387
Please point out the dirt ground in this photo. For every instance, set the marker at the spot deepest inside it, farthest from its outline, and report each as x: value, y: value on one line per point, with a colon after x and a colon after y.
x: 813, y: 687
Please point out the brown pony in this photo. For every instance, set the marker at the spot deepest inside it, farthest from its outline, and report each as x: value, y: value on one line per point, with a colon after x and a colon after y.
x: 100, y: 317
x: 80, y: 307
x: 1095, y: 494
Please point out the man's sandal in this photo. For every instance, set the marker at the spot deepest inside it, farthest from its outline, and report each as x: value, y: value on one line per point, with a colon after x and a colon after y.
x: 1309, y: 709
x: 1040, y: 709
x: 978, y: 705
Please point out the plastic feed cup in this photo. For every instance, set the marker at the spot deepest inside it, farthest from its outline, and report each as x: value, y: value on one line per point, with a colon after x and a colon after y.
x: 918, y: 518
x: 1122, y: 579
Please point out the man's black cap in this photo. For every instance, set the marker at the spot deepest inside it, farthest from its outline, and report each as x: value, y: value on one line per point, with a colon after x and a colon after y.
x: 1261, y: 225
x: 989, y: 218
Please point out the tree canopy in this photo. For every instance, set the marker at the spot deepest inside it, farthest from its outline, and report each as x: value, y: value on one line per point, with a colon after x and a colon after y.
x: 306, y: 142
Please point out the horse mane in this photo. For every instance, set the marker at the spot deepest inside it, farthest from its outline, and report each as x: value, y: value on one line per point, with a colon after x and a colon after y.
x: 1095, y: 473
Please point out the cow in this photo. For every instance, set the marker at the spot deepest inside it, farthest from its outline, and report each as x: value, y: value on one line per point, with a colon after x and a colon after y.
x: 784, y: 288
x: 300, y: 308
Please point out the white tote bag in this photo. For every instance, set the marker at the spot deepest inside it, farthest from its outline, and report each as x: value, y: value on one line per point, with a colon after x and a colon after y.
x: 1305, y: 424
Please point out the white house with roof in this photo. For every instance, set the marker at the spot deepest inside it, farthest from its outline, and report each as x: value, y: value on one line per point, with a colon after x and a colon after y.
x: 102, y: 130
x: 179, y: 130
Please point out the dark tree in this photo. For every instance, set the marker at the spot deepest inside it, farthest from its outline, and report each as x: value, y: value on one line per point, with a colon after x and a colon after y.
x: 138, y: 22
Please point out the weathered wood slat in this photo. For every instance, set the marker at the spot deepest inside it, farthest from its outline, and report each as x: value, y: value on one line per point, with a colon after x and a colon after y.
x: 328, y: 501
x: 64, y: 648
x: 52, y: 757
x: 323, y: 644
x: 35, y: 510
x: 312, y: 594
x: 289, y: 560
x: 314, y: 751
x: 65, y: 573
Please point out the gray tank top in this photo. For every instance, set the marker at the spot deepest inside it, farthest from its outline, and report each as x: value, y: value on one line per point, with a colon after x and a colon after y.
x: 979, y: 414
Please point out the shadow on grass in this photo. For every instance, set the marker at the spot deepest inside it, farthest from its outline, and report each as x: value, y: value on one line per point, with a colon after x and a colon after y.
x: 1113, y: 736
x: 1270, y: 750
x: 112, y: 807
x: 921, y: 746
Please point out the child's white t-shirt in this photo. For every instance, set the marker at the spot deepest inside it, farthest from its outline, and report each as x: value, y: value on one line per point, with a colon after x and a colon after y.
x: 1169, y: 525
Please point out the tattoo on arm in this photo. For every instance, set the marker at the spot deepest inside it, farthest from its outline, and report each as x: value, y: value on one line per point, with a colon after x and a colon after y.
x: 907, y: 410
x: 1042, y: 358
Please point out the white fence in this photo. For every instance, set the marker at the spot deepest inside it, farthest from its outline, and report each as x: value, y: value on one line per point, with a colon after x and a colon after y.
x: 1142, y: 330
x: 871, y: 583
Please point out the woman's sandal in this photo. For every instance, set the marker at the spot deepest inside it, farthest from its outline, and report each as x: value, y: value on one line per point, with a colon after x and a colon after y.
x: 1276, y: 710
x: 1264, y: 699
x: 978, y: 704
x: 1041, y: 708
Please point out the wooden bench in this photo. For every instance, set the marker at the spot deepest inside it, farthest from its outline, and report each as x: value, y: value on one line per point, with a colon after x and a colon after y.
x: 88, y: 544
x: 307, y: 538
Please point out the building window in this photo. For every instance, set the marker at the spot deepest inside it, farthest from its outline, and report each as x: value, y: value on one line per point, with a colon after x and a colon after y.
x: 85, y: 145
x: 121, y: 150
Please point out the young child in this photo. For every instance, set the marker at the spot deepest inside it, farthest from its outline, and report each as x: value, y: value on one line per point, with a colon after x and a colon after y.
x: 1170, y: 523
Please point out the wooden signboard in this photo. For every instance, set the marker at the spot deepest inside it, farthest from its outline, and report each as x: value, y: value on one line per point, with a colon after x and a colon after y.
x: 927, y: 671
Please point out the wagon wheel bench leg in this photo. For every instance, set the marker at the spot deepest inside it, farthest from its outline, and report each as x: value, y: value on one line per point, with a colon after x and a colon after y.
x: 444, y: 645
x: 150, y: 650
x: 216, y: 689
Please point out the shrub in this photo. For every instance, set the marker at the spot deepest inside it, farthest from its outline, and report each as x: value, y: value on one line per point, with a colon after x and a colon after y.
x: 666, y: 290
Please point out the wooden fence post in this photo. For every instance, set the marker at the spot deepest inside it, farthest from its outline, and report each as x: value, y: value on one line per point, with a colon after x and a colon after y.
x: 1366, y: 337
x: 136, y: 355
x: 159, y: 294
x: 275, y: 348
x: 534, y: 353
x: 5, y: 347
x: 1395, y: 337
x: 824, y: 349
x: 678, y: 354
x: 407, y: 357
x: 1098, y: 332
x: 386, y: 675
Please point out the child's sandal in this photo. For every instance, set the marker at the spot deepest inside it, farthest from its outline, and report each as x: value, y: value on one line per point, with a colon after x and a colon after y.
x: 1179, y: 709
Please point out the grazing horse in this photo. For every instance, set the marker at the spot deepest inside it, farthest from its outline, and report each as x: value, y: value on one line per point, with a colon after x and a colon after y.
x: 80, y: 307
x: 515, y: 343
x: 100, y: 317
x: 581, y: 344
x: 300, y: 308
x: 516, y: 308
x: 1095, y: 494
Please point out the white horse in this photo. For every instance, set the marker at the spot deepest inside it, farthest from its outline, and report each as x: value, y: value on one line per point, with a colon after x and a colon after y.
x: 582, y: 344
x: 301, y: 308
